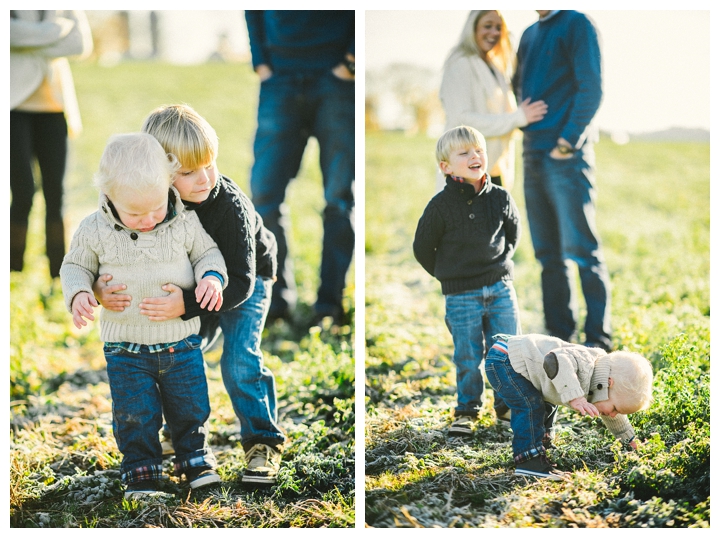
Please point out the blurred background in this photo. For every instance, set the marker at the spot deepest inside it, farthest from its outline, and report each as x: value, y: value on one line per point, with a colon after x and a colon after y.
x: 179, y: 37
x: 656, y: 83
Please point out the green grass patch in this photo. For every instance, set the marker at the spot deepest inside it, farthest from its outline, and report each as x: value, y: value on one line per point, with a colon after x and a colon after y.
x: 64, y: 463
x: 654, y: 220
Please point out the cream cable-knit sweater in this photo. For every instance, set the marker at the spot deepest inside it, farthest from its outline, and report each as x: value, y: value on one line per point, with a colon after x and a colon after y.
x: 178, y: 251
x: 578, y: 371
x: 473, y: 95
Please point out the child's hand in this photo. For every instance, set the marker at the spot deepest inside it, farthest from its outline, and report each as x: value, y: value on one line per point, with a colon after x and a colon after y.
x: 166, y: 307
x: 585, y: 407
x: 209, y: 293
x: 633, y: 444
x: 106, y: 294
x: 82, y: 307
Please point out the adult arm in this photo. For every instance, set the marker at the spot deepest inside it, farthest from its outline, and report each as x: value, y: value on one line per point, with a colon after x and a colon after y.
x: 587, y: 74
x: 254, y: 20
x: 67, y: 35
x: 458, y: 91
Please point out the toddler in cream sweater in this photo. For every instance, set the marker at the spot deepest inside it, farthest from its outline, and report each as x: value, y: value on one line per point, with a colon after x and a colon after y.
x: 142, y: 233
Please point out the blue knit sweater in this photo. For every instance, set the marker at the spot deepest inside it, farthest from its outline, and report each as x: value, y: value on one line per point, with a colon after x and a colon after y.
x: 300, y: 41
x: 559, y: 63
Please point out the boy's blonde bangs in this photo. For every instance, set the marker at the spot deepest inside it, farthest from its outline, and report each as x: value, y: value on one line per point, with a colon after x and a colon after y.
x: 457, y: 138
x: 184, y: 133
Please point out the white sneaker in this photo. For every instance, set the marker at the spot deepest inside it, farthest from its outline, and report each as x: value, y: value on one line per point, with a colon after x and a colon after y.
x: 462, y: 425
x: 263, y: 464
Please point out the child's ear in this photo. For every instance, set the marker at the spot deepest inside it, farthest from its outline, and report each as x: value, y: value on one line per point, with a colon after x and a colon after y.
x: 445, y: 167
x: 610, y: 382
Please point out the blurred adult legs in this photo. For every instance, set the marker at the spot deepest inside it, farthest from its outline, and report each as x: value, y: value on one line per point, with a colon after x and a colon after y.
x: 41, y: 137
x: 560, y: 198
x: 291, y: 109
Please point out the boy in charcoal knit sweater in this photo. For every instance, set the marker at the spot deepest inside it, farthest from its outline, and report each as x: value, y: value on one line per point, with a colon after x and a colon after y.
x: 466, y: 239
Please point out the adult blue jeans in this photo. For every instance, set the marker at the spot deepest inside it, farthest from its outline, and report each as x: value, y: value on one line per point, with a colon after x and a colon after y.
x: 560, y: 199
x: 293, y: 107
x: 531, y: 416
x: 143, y: 385
x: 473, y: 318
x: 249, y: 383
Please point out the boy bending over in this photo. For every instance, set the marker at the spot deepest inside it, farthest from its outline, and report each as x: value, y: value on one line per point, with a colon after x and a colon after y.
x: 528, y: 371
x: 142, y: 234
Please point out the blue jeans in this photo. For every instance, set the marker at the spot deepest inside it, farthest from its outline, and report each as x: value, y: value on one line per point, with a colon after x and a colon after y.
x: 145, y: 384
x: 292, y: 108
x: 249, y: 383
x: 560, y: 199
x: 531, y: 416
x: 473, y: 318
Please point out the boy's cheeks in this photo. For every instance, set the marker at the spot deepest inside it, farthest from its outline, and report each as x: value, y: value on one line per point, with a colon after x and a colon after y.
x: 195, y: 184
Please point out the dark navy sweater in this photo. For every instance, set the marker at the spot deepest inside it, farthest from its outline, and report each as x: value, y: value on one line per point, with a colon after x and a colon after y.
x: 467, y: 240
x: 249, y: 248
x: 559, y: 63
x: 300, y: 41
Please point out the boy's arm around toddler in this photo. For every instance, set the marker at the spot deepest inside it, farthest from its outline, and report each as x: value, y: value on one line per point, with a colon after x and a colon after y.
x: 203, y: 252
x: 249, y: 249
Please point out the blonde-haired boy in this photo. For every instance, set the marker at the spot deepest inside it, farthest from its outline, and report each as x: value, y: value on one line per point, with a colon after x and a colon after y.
x: 142, y: 234
x: 533, y: 370
x: 466, y: 238
x: 250, y: 250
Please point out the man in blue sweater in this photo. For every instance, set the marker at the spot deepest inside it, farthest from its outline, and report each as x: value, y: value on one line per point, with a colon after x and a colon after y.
x: 559, y: 63
x: 306, y: 64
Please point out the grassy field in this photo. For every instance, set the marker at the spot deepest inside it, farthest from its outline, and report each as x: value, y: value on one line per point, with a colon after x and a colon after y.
x: 654, y: 220
x: 63, y: 459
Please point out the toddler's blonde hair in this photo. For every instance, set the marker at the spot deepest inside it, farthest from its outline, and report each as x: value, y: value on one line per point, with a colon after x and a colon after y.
x: 133, y: 163
x: 632, y: 377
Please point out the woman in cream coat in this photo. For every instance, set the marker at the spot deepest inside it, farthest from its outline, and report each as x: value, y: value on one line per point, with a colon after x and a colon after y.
x: 43, y: 111
x: 476, y: 92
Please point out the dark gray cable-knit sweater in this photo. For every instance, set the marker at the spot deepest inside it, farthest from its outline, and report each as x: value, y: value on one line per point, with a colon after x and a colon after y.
x: 249, y: 248
x: 467, y: 240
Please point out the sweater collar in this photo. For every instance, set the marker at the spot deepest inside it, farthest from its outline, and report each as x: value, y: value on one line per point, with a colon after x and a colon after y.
x: 598, y: 390
x: 550, y: 15
x: 466, y: 190
x: 175, y: 210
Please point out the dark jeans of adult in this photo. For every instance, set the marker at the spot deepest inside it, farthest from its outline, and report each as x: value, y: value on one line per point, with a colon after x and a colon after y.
x: 560, y: 198
x: 41, y: 136
x: 292, y: 108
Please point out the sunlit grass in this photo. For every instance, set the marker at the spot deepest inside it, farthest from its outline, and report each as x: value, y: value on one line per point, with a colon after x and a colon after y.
x: 653, y: 217
x: 64, y: 462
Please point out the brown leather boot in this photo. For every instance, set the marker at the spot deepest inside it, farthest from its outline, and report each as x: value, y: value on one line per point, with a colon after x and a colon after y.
x: 18, y: 237
x: 55, y: 245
